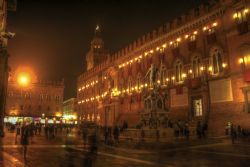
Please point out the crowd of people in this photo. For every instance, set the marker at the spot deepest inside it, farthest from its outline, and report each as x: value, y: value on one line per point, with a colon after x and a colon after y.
x: 238, y: 133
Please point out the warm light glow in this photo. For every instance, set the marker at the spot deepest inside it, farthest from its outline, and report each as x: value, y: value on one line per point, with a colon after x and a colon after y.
x: 164, y: 45
x: 173, y: 78
x: 241, y: 60
x: 246, y: 11
x: 184, y: 75
x: 23, y: 79
x: 178, y: 39
x: 167, y: 79
x: 158, y: 81
x: 202, y: 68
x: 224, y: 65
x: 204, y: 28
x: 210, y: 68
x: 190, y: 71
x: 195, y: 32
x: 215, y: 24
x: 171, y: 43
x: 151, y: 51
x: 186, y: 36
x: 146, y: 85
x: 235, y: 15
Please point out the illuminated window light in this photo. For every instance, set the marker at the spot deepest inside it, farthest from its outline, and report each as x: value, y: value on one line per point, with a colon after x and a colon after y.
x: 235, y: 16
x: 246, y: 11
x: 210, y: 68
x: 184, y: 75
x: 241, y: 60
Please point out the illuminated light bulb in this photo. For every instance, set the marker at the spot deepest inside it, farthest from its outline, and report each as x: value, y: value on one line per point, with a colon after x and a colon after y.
x: 132, y: 89
x: 136, y: 88
x: 151, y: 51
x: 164, y: 45
x: 173, y: 78
x: 142, y: 86
x: 184, y: 75
x: 195, y: 32
x: 140, y: 56
x: 158, y: 81
x: 178, y: 39
x: 167, y: 79
x: 224, y: 65
x: 241, y: 60
x: 96, y: 81
x: 146, y: 85
x: 79, y: 89
x: 202, y: 68
x: 186, y: 36
x: 157, y: 48
x: 204, y: 28
x: 123, y: 65
x: 127, y: 63
x: 136, y: 59
x: 171, y: 43
x: 120, y: 66
x: 146, y: 53
x: 190, y: 71
x: 215, y: 24
x: 210, y: 68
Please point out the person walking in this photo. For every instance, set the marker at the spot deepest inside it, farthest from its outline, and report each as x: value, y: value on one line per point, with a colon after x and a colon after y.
x: 25, y: 140
x: 18, y: 132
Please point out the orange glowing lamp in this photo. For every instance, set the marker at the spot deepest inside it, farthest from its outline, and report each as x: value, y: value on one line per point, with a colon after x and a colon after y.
x: 23, y: 79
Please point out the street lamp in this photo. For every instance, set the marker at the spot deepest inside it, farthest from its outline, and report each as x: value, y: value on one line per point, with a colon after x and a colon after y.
x: 23, y: 79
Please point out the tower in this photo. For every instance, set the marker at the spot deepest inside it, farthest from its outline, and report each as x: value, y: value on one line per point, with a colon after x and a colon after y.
x: 97, y: 53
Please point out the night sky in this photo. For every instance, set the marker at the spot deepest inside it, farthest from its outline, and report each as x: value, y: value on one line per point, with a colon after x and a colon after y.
x: 52, y: 37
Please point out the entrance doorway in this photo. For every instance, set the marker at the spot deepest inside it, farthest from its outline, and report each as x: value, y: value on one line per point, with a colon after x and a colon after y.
x: 197, y: 107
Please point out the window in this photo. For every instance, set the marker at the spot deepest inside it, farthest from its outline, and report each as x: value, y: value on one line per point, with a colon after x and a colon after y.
x: 211, y: 36
x: 197, y: 107
x: 192, y: 43
x: 178, y: 71
x: 216, y: 61
x: 241, y: 17
x: 196, y: 64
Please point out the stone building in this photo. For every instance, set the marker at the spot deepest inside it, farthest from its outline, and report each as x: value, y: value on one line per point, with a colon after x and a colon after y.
x: 38, y: 99
x: 70, y: 109
x: 202, y: 60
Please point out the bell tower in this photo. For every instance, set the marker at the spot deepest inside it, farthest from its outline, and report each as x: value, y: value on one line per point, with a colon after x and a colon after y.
x: 97, y: 53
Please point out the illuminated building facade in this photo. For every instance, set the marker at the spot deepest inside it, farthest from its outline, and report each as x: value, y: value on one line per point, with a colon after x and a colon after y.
x: 204, y: 63
x: 70, y: 109
x: 29, y: 97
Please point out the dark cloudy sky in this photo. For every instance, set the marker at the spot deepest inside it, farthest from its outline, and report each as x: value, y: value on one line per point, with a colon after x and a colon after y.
x: 53, y: 36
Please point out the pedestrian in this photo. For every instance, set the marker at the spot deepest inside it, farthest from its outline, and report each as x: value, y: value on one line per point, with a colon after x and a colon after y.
x: 233, y: 133
x: 18, y: 132
x: 25, y: 139
x: 85, y: 136
x: 198, y: 129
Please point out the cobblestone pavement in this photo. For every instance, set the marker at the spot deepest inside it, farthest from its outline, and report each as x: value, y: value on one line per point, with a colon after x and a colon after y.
x: 68, y: 151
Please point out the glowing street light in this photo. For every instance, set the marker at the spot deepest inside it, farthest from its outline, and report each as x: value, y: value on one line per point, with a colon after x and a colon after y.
x: 23, y: 79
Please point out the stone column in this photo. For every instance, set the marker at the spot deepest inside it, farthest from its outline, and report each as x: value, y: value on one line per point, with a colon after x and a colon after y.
x: 3, y: 85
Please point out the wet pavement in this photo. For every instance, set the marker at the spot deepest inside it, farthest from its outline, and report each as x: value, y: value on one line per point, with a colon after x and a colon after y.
x: 68, y: 151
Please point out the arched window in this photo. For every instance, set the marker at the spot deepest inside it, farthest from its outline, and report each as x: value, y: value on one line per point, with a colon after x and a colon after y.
x: 196, y: 63
x: 216, y: 61
x: 178, y: 71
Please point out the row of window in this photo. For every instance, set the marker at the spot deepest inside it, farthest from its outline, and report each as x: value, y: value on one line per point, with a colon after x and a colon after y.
x: 41, y: 96
x: 38, y: 108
